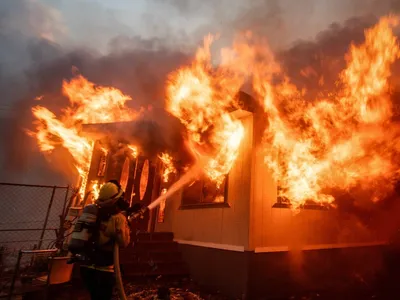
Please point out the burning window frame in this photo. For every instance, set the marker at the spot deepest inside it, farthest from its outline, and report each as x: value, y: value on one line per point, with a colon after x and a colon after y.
x: 245, y: 103
x: 283, y: 202
x: 202, y: 181
x: 161, y: 208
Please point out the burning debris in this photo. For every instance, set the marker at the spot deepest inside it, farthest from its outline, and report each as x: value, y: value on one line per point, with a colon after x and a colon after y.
x: 173, y: 294
x: 169, y: 168
x: 88, y: 104
x: 186, y: 289
x: 338, y: 140
x: 134, y: 150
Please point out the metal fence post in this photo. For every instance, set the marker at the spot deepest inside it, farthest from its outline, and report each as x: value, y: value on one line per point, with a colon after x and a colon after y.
x: 47, y: 217
x: 16, y: 271
x: 65, y: 200
x: 48, y: 281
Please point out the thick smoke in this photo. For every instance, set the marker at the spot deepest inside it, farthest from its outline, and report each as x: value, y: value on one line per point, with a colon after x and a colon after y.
x: 27, y: 31
x: 281, y: 21
x: 138, y: 73
x: 136, y: 66
x: 37, y: 53
x: 315, y: 65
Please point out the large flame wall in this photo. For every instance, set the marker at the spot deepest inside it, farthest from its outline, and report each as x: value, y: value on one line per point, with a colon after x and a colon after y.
x: 252, y: 222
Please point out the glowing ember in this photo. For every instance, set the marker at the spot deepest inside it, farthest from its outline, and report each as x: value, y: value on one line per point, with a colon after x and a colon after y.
x: 88, y: 104
x: 95, y: 188
x: 168, y: 166
x: 200, y: 97
x: 161, y: 211
x: 134, y: 150
x: 103, y: 163
x: 104, y: 150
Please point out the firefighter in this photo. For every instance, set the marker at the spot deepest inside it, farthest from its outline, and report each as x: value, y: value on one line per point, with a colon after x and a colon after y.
x: 98, y: 275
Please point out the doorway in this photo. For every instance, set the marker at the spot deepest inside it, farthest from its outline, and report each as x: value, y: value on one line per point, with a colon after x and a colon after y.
x: 143, y: 189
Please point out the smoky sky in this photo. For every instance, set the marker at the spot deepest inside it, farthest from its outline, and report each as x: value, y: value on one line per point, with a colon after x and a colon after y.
x: 134, y: 46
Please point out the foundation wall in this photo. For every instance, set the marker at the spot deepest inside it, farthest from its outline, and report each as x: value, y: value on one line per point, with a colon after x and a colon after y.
x: 281, y: 275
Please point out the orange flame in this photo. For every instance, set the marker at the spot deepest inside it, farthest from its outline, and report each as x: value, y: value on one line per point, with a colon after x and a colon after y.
x: 311, y: 147
x: 95, y: 187
x: 88, y: 104
x: 200, y: 96
x: 342, y: 141
x: 92, y: 104
x: 168, y: 166
x: 134, y: 150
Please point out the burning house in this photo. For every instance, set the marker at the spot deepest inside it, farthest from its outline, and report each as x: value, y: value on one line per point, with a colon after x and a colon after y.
x: 268, y: 174
x: 238, y: 234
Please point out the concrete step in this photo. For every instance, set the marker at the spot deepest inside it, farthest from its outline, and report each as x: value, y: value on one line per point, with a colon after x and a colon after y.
x: 155, y: 270
x: 165, y: 256
x: 155, y: 236
x: 145, y: 246
x: 136, y: 276
x: 153, y: 254
x: 153, y: 265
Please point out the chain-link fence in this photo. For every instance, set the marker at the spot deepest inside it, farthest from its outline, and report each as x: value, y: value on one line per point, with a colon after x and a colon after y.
x: 29, y: 218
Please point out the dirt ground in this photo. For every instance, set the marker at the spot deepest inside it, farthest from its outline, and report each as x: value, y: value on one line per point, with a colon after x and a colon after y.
x: 187, y: 290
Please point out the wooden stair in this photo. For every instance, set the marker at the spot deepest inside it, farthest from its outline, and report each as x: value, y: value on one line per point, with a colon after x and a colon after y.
x: 152, y: 255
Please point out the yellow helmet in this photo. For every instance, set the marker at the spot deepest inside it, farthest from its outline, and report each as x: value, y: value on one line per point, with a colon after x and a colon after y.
x: 109, y: 193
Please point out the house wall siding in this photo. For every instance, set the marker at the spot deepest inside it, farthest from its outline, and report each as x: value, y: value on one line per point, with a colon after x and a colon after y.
x: 228, y: 226
x: 281, y: 227
x: 252, y: 221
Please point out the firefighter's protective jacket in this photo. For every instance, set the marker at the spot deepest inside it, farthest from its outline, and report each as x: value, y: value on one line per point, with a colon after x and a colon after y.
x: 115, y: 229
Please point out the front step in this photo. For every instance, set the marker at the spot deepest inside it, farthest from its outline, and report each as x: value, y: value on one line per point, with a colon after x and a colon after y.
x: 155, y: 236
x: 156, y: 255
x: 152, y: 267
x: 171, y: 273
x: 153, y: 254
x: 147, y: 246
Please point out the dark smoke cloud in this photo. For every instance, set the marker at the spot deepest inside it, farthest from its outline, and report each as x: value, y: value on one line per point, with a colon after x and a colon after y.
x: 138, y: 73
x: 26, y: 32
x: 315, y: 65
x: 25, y: 26
x: 281, y: 21
x: 33, y: 63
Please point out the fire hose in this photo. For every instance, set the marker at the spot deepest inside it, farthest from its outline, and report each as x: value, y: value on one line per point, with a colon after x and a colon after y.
x: 185, y: 179
x: 118, y: 277
x: 117, y: 268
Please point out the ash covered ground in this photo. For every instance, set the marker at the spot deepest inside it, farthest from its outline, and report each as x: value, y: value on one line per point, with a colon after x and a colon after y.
x: 188, y: 290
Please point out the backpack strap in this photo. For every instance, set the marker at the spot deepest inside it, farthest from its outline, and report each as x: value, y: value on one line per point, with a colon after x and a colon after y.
x: 97, y: 255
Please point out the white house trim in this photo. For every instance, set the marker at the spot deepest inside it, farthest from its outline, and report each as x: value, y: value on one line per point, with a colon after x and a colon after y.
x: 212, y: 245
x: 317, y: 247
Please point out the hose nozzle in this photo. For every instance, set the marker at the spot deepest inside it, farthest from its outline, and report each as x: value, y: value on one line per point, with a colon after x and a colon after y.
x: 139, y: 213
